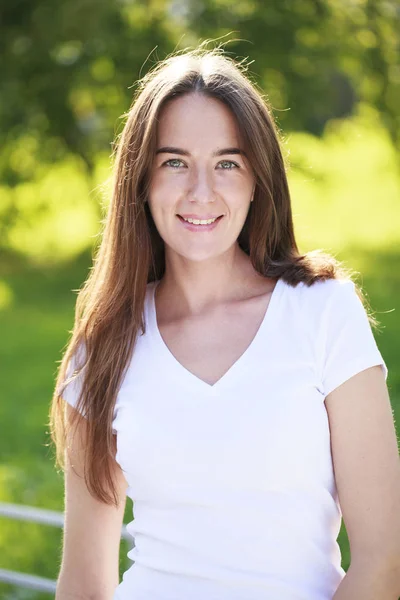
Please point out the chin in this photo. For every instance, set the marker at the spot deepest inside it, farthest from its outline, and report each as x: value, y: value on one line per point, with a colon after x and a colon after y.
x: 199, y: 255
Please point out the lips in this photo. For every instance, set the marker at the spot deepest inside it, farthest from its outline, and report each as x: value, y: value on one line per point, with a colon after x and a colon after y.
x: 200, y: 218
x: 200, y: 228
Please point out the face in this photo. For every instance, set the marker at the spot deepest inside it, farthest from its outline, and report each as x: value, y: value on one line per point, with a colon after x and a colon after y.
x: 197, y: 174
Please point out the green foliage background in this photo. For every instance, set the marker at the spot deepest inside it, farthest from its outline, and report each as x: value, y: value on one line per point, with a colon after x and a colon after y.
x: 330, y: 69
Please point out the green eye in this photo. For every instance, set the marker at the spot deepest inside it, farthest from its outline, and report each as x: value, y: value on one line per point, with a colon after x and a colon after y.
x: 171, y: 160
x: 229, y: 162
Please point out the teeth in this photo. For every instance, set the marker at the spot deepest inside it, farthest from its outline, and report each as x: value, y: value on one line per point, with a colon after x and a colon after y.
x: 200, y: 222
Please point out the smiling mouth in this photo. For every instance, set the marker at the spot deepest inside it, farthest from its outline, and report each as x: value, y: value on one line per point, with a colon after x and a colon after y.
x: 204, y: 227
x: 200, y: 219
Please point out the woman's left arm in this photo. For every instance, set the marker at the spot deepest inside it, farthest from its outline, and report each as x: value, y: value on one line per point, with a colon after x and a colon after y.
x: 366, y: 463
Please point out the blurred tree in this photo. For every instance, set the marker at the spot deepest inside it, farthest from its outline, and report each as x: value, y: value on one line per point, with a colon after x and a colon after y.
x: 315, y: 59
x: 67, y: 69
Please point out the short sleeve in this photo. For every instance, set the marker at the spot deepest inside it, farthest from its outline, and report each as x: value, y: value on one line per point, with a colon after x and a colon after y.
x: 346, y: 344
x: 70, y: 390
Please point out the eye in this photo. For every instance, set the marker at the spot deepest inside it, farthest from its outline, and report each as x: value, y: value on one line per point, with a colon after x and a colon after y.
x: 229, y: 162
x: 171, y: 160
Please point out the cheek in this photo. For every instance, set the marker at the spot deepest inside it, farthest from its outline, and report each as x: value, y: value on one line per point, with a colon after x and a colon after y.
x: 164, y: 190
x: 236, y: 189
x: 161, y: 196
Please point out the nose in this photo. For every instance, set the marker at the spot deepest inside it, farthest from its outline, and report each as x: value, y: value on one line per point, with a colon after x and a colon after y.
x: 201, y: 189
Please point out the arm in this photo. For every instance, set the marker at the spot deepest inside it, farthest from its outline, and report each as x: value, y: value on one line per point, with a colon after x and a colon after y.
x: 92, y: 532
x: 365, y: 582
x: 367, y: 472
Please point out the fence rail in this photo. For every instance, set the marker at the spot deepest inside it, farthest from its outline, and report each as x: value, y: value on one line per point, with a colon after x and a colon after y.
x: 44, y: 516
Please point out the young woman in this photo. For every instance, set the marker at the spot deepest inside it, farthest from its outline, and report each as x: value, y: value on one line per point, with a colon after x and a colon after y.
x: 229, y: 385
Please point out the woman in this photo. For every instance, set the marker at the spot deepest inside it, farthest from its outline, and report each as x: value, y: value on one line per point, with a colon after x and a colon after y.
x: 213, y: 367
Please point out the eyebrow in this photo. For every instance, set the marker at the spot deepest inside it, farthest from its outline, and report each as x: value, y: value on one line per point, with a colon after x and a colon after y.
x: 173, y: 150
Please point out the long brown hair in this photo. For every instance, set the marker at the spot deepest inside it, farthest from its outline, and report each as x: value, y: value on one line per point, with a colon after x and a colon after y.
x: 109, y: 306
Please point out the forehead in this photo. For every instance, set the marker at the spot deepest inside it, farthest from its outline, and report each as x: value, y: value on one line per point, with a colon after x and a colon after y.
x: 194, y: 117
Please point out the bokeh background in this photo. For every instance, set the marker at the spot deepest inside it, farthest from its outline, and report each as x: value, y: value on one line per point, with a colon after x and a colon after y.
x: 330, y: 69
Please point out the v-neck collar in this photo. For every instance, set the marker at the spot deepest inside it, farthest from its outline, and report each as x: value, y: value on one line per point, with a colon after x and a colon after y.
x: 175, y: 370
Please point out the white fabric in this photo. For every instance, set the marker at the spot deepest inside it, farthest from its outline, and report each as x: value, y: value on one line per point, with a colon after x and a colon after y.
x: 233, y: 485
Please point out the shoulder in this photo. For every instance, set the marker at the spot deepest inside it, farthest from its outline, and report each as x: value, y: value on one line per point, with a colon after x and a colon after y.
x: 316, y: 297
x: 319, y: 310
x: 321, y: 290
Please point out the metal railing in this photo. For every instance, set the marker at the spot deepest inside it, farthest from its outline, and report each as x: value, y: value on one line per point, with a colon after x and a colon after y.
x: 46, y: 517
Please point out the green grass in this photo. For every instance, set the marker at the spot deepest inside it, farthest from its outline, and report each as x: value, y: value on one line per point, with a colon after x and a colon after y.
x: 344, y: 188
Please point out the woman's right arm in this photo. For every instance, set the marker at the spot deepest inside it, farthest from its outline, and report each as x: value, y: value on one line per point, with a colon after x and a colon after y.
x: 92, y: 533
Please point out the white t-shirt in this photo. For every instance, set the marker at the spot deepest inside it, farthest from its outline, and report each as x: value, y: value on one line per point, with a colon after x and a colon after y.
x: 233, y: 485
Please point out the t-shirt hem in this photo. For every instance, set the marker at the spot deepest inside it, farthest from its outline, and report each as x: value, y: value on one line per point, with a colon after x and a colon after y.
x: 352, y: 369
